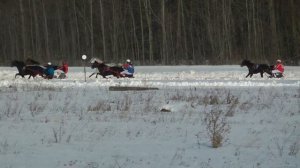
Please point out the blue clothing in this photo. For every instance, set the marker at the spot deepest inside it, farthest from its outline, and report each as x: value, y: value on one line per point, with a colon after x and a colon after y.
x: 49, y: 71
x: 130, y: 69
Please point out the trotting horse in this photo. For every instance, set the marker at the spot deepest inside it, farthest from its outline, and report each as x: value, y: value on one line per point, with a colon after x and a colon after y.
x: 256, y: 68
x: 105, y: 70
x: 31, y: 70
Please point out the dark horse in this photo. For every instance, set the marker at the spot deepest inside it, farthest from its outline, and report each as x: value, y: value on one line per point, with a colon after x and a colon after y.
x: 105, y: 70
x: 256, y: 68
x: 31, y: 70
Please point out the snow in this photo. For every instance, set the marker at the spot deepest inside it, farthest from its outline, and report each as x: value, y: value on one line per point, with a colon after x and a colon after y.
x: 72, y: 123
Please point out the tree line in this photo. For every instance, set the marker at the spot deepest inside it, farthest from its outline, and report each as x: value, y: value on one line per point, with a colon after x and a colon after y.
x: 151, y: 32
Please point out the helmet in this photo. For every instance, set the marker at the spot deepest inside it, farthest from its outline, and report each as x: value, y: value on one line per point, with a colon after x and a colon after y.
x: 128, y: 60
x: 49, y: 63
x: 278, y: 61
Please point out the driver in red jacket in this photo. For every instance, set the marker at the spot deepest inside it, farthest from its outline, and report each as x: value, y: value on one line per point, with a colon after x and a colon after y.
x: 64, y: 67
x: 278, y: 69
x: 64, y: 70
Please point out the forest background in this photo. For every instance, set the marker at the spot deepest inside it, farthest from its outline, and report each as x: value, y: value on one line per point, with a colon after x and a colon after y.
x: 151, y: 32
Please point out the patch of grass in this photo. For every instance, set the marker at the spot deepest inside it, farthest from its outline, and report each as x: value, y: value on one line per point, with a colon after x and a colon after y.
x: 217, y: 127
x: 294, y: 149
x: 36, y: 108
x: 100, y: 106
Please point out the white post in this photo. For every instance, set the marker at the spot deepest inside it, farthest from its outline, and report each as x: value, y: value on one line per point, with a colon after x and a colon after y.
x: 83, y: 57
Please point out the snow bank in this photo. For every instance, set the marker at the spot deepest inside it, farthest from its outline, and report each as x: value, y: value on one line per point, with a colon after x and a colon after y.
x: 70, y: 123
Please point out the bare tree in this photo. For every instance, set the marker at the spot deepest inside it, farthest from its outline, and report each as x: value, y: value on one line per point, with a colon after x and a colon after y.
x: 46, y: 32
x: 142, y: 33
x: 164, y: 55
x: 148, y: 12
x: 103, y: 30
x: 151, y: 31
x: 23, y: 28
x: 92, y: 28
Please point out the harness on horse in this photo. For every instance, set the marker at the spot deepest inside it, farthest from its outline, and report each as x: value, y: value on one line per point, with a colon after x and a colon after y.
x: 34, y: 70
x: 255, y: 66
x: 107, y: 68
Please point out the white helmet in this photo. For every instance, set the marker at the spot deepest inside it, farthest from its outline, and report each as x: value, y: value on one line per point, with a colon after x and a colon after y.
x: 279, y: 61
x: 128, y: 60
x: 49, y: 63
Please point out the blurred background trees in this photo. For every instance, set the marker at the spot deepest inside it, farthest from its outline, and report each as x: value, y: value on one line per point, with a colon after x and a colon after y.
x: 151, y: 32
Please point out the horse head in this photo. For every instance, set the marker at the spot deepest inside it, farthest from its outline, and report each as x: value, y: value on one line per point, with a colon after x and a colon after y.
x: 19, y: 64
x: 13, y: 63
x: 93, y: 60
x: 245, y: 62
x: 96, y: 63
x: 16, y: 63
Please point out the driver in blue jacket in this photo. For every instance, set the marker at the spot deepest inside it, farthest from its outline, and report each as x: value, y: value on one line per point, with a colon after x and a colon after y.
x: 128, y: 69
x: 49, y: 71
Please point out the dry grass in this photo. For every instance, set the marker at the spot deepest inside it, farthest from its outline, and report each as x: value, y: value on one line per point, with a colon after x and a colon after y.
x: 100, y: 106
x: 36, y: 108
x: 217, y: 127
x: 294, y: 149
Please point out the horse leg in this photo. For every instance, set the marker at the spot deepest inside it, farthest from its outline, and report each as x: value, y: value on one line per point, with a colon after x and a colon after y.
x: 18, y: 74
x: 92, y: 75
x: 270, y: 73
x: 261, y: 74
x: 116, y: 75
x: 251, y: 75
x: 103, y: 74
x: 97, y: 75
x: 248, y: 75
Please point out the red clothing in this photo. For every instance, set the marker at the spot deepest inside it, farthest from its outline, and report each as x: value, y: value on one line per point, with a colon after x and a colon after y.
x: 279, y: 67
x: 125, y: 66
x: 64, y: 68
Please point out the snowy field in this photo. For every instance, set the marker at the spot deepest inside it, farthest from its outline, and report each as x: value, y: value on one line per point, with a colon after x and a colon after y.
x: 71, y: 123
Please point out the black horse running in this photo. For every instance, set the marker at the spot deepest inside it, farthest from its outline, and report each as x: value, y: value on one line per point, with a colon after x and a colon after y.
x: 256, y: 68
x: 105, y: 70
x: 31, y: 70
